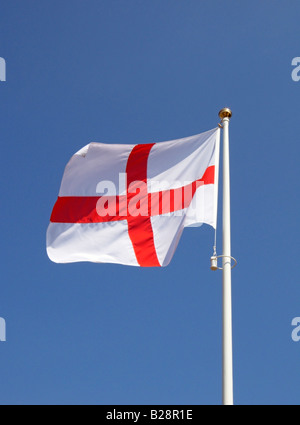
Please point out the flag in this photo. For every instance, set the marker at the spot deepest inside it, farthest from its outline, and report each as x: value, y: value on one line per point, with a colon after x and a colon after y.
x: 129, y: 204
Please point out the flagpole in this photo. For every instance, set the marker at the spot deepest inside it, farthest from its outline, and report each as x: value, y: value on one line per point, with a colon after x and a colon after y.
x: 227, y: 384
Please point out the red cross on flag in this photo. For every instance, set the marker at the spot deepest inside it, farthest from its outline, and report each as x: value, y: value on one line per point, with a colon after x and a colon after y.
x: 129, y: 204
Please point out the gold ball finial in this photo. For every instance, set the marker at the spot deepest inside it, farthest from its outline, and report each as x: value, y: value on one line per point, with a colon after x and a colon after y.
x: 225, y: 113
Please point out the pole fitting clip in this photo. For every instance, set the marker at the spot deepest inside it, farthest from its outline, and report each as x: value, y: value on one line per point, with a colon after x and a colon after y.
x: 214, y: 262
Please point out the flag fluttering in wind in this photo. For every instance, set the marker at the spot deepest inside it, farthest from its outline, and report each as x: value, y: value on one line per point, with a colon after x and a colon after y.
x: 129, y: 204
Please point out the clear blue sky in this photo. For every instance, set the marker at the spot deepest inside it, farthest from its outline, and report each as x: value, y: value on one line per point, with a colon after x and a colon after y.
x: 133, y: 72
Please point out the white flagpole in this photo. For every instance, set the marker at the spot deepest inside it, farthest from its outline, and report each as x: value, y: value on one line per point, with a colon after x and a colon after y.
x: 225, y: 115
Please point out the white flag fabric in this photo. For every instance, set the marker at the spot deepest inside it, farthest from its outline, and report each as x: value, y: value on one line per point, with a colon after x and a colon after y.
x: 129, y: 204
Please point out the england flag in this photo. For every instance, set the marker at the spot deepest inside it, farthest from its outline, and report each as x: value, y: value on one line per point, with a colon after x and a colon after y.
x: 129, y: 204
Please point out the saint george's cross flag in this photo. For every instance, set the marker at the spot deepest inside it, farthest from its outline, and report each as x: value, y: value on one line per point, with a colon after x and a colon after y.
x: 129, y: 204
